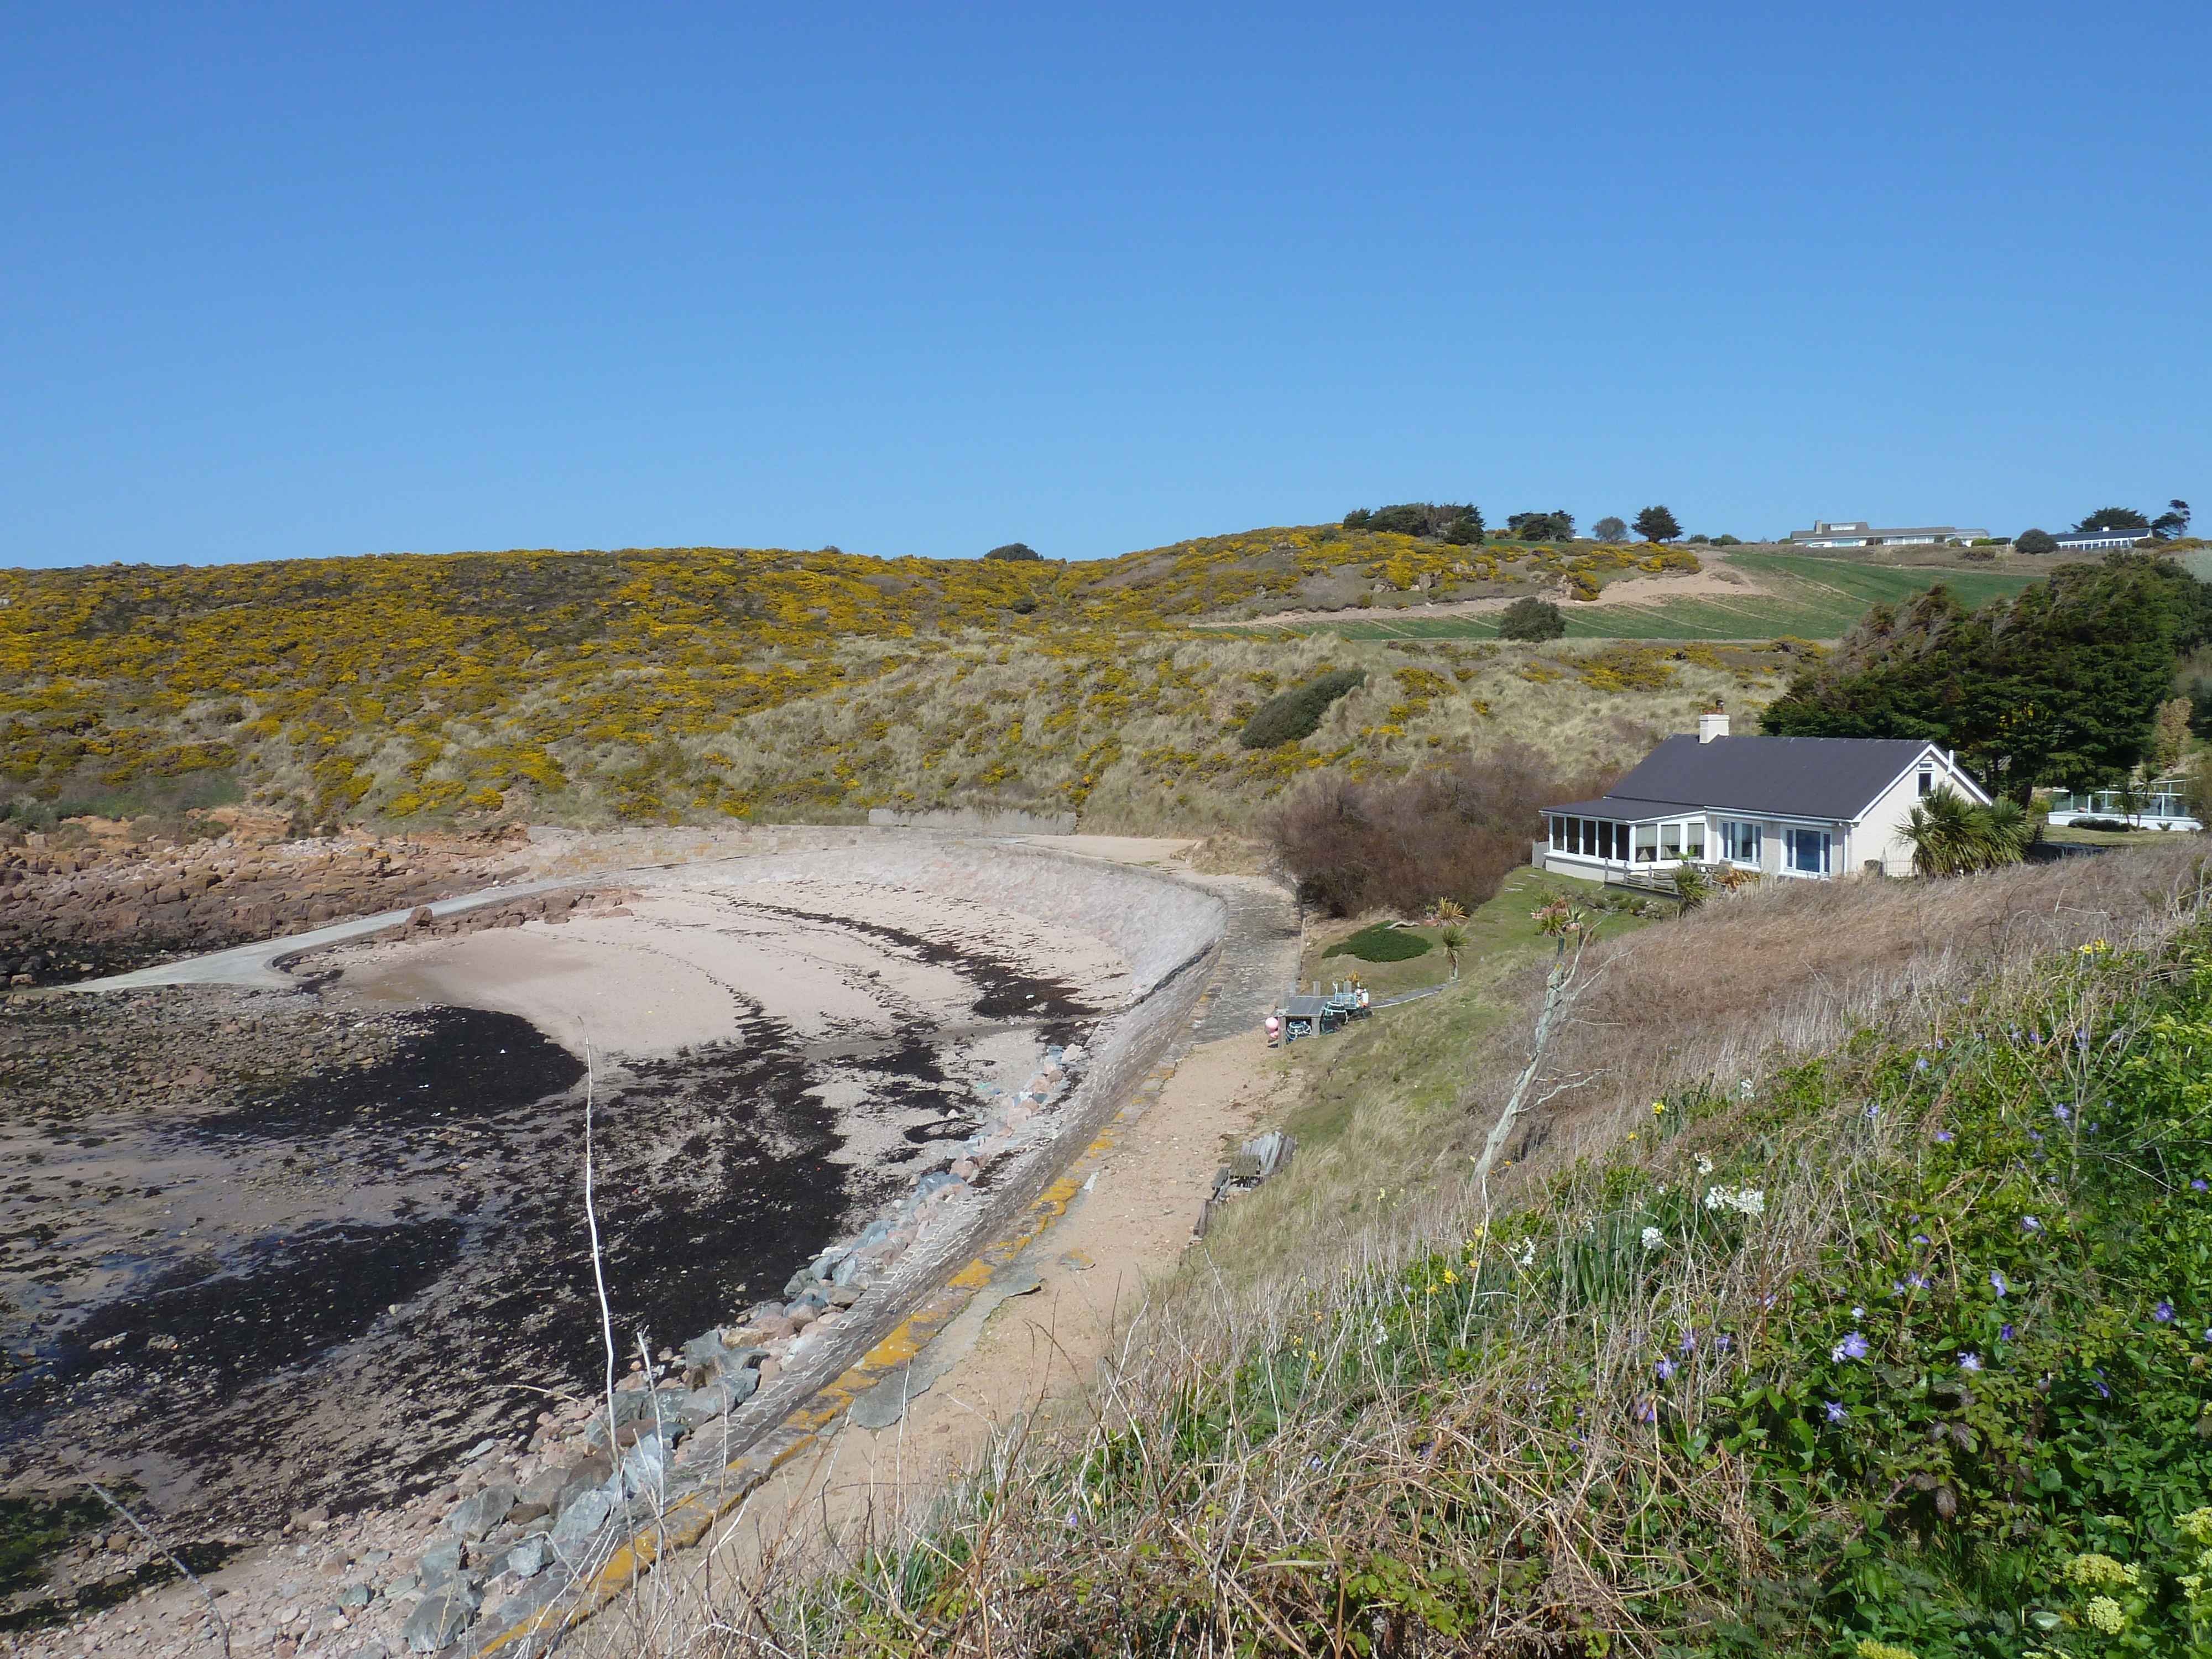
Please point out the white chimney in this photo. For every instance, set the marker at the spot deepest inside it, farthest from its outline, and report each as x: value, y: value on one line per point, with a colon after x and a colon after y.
x: 1712, y: 726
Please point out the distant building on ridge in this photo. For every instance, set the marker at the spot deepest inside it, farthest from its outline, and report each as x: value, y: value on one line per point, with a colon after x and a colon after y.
x: 2083, y: 541
x: 1857, y: 532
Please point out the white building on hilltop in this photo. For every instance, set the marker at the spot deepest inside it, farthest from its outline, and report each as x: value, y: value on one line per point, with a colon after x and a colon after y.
x: 1857, y: 532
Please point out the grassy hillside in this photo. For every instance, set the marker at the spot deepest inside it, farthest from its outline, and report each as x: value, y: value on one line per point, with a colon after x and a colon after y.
x: 693, y: 684
x: 1804, y: 596
x: 1858, y: 1307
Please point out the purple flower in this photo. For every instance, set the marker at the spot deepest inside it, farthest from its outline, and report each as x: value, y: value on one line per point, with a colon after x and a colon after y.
x: 2081, y: 1037
x: 2035, y: 1135
x: 1836, y: 1413
x: 2035, y: 1037
x: 1646, y: 1411
x: 1689, y: 1343
x: 1970, y: 1362
x: 1919, y: 1238
x: 2004, y: 1333
x: 2198, y: 1186
x: 1943, y: 1135
x: 2028, y: 1224
x: 1721, y: 1343
x: 1997, y: 1283
x: 1921, y: 1064
x: 1666, y: 1369
x: 2061, y: 1113
x: 2098, y: 1377
x: 2163, y: 1313
x: 1853, y: 1346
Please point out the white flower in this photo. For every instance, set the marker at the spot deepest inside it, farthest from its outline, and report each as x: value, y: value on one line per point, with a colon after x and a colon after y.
x: 1745, y: 1088
x: 1751, y: 1201
x: 1653, y: 1238
x: 1526, y: 1256
x: 1705, y: 1164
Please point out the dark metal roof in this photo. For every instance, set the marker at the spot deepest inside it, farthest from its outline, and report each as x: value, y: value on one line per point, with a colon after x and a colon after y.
x: 1831, y: 778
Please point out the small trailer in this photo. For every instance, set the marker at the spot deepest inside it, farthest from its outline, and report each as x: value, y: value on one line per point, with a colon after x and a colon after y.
x: 1310, y: 1016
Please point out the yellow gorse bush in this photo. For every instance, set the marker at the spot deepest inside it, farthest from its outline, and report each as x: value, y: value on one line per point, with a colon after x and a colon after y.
x: 665, y: 683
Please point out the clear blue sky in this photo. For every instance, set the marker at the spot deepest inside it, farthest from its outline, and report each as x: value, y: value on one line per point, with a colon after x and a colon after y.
x: 294, y: 280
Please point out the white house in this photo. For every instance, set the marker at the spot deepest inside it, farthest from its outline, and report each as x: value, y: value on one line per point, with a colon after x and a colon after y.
x: 2161, y: 804
x: 2091, y: 541
x: 1857, y: 532
x: 1812, y: 807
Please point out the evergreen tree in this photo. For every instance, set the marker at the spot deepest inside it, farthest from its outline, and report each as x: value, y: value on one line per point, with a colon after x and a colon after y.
x: 2058, y: 685
x: 1656, y: 524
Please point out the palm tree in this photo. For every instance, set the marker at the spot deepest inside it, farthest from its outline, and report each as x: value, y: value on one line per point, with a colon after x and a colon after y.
x: 1692, y: 888
x: 1453, y: 939
x: 1950, y: 835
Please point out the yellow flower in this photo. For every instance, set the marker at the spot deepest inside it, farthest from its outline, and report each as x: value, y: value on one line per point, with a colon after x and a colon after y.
x: 2105, y: 1614
x: 2197, y: 1523
x: 1871, y: 1648
x: 2091, y: 1570
x: 1657, y: 1107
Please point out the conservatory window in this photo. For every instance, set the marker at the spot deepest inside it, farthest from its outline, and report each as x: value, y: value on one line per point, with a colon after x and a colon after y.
x: 1740, y: 842
x: 1805, y: 852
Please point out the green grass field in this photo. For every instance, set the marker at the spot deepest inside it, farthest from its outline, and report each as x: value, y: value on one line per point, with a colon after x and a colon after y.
x: 1809, y: 597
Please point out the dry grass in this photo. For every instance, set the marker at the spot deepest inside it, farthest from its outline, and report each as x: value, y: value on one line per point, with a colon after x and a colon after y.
x: 1311, y: 1460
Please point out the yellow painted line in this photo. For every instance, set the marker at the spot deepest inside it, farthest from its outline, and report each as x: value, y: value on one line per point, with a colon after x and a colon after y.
x: 801, y: 1431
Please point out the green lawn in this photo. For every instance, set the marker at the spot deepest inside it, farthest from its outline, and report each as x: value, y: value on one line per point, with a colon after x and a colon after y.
x: 1811, y: 599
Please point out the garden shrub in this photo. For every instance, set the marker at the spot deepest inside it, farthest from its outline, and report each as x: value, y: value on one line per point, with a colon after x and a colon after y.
x: 1381, y: 943
x: 1290, y: 715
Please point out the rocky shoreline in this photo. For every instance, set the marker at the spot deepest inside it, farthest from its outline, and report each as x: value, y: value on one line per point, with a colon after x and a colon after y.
x: 479, y: 1540
x: 76, y: 904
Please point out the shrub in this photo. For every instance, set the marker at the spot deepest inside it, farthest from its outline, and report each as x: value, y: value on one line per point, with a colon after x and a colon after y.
x: 1531, y: 618
x: 1381, y: 943
x: 1290, y: 715
x: 1454, y: 830
x: 2037, y: 541
x: 1542, y: 526
x: 1014, y: 550
x: 1457, y: 522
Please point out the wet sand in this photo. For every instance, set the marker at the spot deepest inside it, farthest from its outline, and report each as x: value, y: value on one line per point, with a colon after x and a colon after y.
x: 279, y: 1292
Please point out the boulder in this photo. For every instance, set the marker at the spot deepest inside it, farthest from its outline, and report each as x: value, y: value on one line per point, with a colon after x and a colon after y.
x: 472, y: 1517
x: 440, y: 1616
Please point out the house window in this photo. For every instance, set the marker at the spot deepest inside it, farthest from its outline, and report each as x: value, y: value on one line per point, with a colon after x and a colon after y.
x: 1806, y: 852
x: 1647, y: 843
x: 1740, y: 842
x: 1927, y: 780
x: 1670, y: 842
x: 1694, y: 840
